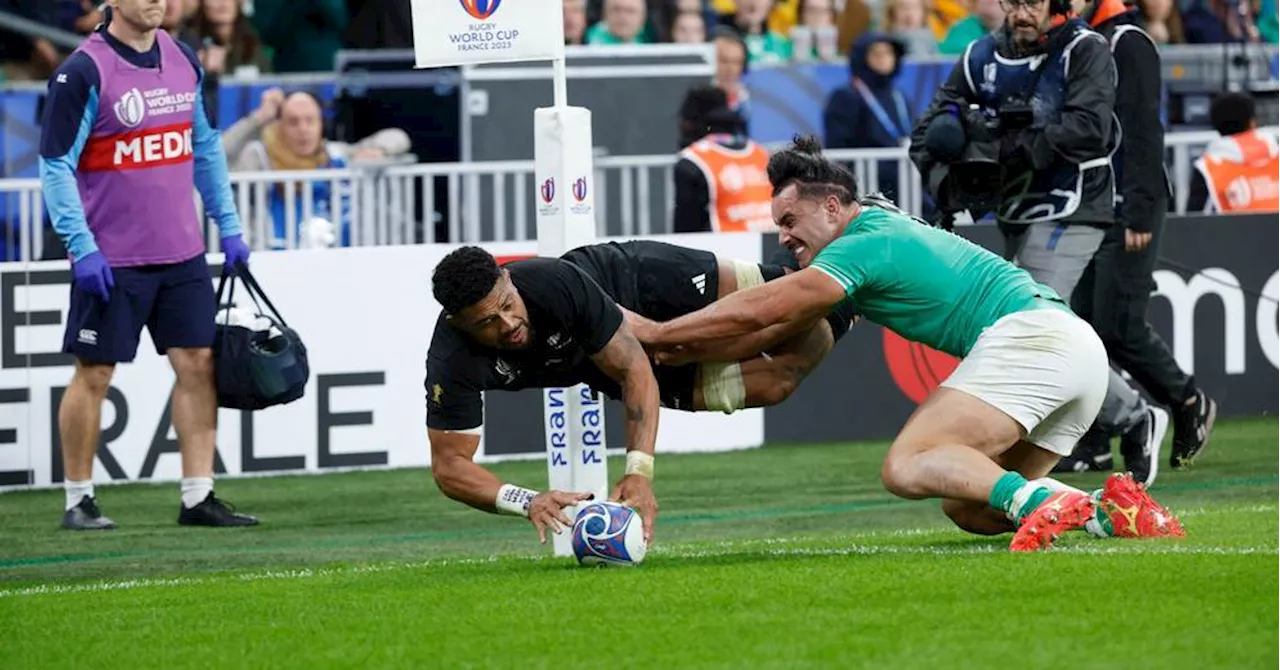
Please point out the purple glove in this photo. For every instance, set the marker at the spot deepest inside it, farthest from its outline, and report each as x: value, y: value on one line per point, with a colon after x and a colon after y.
x: 91, y: 273
x: 236, y: 252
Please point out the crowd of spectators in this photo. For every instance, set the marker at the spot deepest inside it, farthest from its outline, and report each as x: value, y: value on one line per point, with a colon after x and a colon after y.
x: 232, y: 37
x: 246, y: 36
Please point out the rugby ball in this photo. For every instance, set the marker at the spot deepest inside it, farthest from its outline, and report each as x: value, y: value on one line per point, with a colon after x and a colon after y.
x: 608, y: 534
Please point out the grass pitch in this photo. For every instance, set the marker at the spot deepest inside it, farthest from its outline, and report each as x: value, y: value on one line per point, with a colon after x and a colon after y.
x: 781, y: 557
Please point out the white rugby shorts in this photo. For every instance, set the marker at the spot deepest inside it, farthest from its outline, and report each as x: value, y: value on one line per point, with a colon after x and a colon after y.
x: 1046, y: 368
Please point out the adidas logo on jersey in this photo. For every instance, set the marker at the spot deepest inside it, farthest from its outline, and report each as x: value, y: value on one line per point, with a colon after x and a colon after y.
x: 700, y: 283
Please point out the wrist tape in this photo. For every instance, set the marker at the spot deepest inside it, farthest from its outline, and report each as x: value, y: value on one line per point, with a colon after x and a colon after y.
x: 514, y: 500
x: 639, y: 463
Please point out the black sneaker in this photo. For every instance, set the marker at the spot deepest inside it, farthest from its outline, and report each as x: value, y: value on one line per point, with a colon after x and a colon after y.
x: 1141, y: 445
x: 214, y: 512
x: 86, y: 516
x: 1075, y: 463
x: 1092, y: 454
x: 1192, y: 426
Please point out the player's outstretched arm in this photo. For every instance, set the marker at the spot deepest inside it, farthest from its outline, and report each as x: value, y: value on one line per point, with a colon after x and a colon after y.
x: 728, y: 350
x: 461, y: 478
x: 624, y: 360
x: 457, y: 474
x: 790, y: 302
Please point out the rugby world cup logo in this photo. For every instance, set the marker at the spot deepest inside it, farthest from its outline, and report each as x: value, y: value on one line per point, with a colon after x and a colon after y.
x: 580, y: 195
x: 130, y: 109
x: 549, y: 190
x: 480, y: 9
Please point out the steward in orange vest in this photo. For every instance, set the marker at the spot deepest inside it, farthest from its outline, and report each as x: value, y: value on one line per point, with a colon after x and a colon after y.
x: 1240, y: 171
x: 721, y: 182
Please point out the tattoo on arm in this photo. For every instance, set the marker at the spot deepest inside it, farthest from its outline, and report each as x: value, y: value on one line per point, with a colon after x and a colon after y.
x: 620, y: 354
x: 624, y: 360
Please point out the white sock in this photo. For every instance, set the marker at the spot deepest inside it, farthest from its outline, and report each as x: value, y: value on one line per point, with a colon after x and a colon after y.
x: 195, y: 490
x: 76, y: 490
x: 1021, y: 496
x: 1020, y: 499
x: 1054, y: 485
x: 1092, y: 526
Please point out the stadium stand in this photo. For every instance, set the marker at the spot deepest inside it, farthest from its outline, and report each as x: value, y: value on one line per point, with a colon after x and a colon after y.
x: 455, y: 120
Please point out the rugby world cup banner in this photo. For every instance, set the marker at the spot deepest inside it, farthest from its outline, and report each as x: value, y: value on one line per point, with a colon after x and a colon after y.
x: 458, y: 32
x: 366, y: 316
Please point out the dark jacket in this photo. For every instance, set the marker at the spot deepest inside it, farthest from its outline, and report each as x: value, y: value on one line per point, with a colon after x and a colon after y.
x: 1083, y: 131
x: 1142, y: 187
x: 380, y: 24
x: 306, y: 35
x: 1201, y: 24
x: 851, y: 122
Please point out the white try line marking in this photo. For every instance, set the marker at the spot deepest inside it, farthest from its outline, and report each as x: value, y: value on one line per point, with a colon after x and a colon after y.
x: 857, y: 546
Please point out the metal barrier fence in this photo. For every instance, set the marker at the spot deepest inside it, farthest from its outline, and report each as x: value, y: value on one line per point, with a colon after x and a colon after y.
x: 474, y: 202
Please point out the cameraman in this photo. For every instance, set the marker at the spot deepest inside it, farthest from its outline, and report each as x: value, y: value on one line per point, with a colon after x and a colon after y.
x: 1114, y: 291
x: 1035, y: 147
x: 1024, y: 127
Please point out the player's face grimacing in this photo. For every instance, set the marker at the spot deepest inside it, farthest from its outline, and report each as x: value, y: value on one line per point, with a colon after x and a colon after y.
x: 499, y: 320
x: 806, y: 224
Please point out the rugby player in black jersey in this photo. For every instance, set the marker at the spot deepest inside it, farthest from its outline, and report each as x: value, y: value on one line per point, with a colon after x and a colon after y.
x: 559, y: 322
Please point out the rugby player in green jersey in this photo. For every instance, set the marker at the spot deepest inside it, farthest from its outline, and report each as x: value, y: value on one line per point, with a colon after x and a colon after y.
x: 1031, y: 379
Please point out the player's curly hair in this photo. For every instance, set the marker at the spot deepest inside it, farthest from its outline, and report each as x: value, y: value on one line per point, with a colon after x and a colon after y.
x: 802, y: 164
x: 464, y: 277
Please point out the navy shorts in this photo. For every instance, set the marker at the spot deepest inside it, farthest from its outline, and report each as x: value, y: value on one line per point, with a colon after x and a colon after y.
x: 174, y: 301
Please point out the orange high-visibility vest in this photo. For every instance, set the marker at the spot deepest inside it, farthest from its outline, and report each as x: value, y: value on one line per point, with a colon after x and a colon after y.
x: 1242, y: 172
x: 738, y: 184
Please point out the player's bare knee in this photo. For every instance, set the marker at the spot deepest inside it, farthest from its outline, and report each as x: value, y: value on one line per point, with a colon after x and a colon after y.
x: 898, y: 475
x: 192, y: 365
x: 94, y: 378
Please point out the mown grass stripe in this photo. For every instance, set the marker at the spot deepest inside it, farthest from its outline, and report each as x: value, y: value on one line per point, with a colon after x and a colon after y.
x: 853, y: 506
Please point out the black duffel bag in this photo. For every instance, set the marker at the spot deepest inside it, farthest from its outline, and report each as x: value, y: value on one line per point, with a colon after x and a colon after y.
x: 256, y: 368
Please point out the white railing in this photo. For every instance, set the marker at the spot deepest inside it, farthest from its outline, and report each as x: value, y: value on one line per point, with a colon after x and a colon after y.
x: 479, y: 202
x: 295, y: 192
x: 24, y: 209
x: 1181, y: 151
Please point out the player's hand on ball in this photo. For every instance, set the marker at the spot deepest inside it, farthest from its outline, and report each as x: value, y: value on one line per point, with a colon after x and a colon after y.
x: 546, y: 510
x: 636, y: 492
